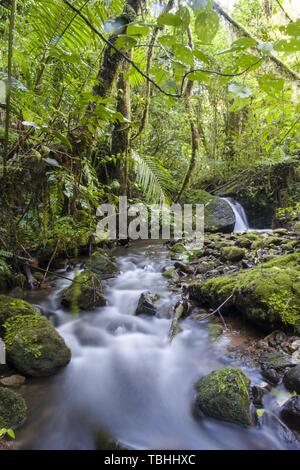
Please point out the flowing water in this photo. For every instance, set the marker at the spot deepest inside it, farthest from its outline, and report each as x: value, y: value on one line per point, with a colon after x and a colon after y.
x: 241, y: 224
x: 126, y: 377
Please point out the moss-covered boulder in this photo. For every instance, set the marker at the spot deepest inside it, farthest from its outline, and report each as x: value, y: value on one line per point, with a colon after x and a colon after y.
x: 218, y: 215
x: 268, y: 295
x: 101, y: 264
x: 34, y: 347
x: 85, y: 292
x: 224, y: 394
x: 9, y: 307
x: 233, y: 253
x: 13, y: 410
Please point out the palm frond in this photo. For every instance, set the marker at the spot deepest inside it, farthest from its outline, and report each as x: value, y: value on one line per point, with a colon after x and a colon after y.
x: 153, y: 178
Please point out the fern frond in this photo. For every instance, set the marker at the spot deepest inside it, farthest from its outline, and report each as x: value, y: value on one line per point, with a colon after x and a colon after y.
x: 154, y: 179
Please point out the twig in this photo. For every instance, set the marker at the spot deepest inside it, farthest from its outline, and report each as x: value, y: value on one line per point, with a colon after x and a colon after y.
x: 217, y: 310
x: 50, y: 260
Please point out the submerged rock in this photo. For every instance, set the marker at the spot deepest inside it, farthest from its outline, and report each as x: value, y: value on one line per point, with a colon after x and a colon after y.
x: 10, y: 307
x: 290, y: 412
x: 279, y: 430
x: 292, y: 379
x: 34, y: 347
x: 13, y: 409
x: 85, y: 292
x: 224, y: 394
x: 146, y: 304
x: 13, y: 381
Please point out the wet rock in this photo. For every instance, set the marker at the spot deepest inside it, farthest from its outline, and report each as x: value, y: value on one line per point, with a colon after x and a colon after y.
x: 257, y: 395
x: 218, y: 215
x: 233, y: 253
x: 224, y: 394
x: 34, y: 347
x: 146, y: 304
x: 292, y: 379
x: 13, y: 381
x: 13, y: 410
x: 178, y: 248
x: 279, y: 430
x: 183, y: 268
x: 276, y: 338
x: 270, y: 375
x: 10, y: 307
x: 101, y: 264
x: 290, y: 412
x: 276, y: 360
x: 84, y: 293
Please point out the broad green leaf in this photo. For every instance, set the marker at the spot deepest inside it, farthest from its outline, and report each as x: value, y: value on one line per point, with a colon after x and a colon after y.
x: 125, y: 42
x: 11, y: 433
x: 201, y: 56
x: 62, y: 138
x: 246, y: 60
x: 137, y: 30
x: 271, y: 83
x: 199, y: 77
x: 184, y: 14
x: 289, y: 46
x: 167, y: 40
x: 241, y: 91
x: 239, y: 45
x: 169, y: 19
x: 184, y: 54
x: 207, y: 25
x: 292, y: 29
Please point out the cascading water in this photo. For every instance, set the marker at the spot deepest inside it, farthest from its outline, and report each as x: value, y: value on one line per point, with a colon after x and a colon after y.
x: 241, y: 224
x: 127, y: 378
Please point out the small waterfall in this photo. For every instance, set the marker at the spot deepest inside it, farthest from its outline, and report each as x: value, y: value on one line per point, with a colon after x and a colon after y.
x: 241, y: 224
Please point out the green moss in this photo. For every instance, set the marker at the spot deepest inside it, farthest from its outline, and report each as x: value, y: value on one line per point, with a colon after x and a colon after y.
x: 214, y: 291
x: 13, y: 409
x: 9, y: 307
x: 100, y: 263
x: 85, y: 292
x: 33, y: 346
x: 268, y: 295
x: 178, y: 248
x: 297, y: 228
x: 215, y: 330
x: 233, y: 253
x: 223, y: 394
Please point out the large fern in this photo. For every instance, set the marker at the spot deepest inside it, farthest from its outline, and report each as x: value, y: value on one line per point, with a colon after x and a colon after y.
x: 154, y: 180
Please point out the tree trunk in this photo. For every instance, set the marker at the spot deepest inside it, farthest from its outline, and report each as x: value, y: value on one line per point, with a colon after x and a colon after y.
x: 112, y: 59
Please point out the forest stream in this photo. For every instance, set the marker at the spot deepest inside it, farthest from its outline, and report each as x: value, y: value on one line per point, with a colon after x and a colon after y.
x: 126, y: 378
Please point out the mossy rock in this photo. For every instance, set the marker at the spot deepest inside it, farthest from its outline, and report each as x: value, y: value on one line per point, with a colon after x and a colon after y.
x: 214, y: 291
x: 13, y: 409
x: 34, y: 348
x: 297, y: 228
x: 218, y: 215
x: 6, y: 276
x: 224, y: 395
x: 268, y: 295
x: 233, y: 253
x: 85, y: 292
x: 178, y: 248
x: 215, y: 330
x: 101, y: 264
x: 10, y: 306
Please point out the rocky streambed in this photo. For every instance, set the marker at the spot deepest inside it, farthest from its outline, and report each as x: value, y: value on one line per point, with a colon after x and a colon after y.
x: 160, y: 347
